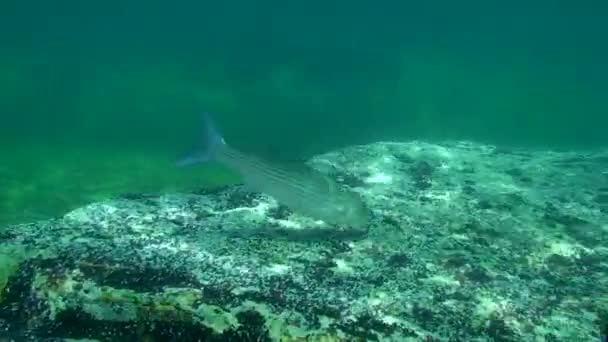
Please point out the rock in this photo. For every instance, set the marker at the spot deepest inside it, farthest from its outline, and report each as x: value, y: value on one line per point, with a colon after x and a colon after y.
x: 467, y: 242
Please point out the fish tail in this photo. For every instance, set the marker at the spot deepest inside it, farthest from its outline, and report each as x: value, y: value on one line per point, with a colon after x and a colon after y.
x: 211, y: 139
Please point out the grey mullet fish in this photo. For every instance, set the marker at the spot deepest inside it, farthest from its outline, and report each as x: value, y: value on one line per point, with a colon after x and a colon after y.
x: 302, y: 189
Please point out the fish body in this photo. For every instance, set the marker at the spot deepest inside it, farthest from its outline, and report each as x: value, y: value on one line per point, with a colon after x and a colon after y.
x: 299, y: 187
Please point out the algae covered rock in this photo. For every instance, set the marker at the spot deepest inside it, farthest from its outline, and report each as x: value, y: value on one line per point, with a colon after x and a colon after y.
x: 468, y: 242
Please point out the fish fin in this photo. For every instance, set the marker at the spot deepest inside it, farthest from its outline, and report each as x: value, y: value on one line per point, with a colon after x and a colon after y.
x: 192, y: 159
x: 211, y: 139
x: 272, y: 152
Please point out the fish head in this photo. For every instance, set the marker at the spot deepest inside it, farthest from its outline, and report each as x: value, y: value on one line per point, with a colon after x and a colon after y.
x: 352, y: 211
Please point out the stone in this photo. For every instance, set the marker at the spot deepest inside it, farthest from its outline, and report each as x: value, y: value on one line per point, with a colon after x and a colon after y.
x: 468, y: 241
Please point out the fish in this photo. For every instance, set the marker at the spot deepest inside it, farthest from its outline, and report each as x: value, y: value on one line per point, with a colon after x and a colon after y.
x: 299, y: 187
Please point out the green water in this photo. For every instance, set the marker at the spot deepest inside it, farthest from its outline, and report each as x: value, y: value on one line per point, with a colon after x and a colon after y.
x: 97, y: 100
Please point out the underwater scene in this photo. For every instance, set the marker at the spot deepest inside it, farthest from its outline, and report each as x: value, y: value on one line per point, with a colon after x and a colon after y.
x: 304, y: 171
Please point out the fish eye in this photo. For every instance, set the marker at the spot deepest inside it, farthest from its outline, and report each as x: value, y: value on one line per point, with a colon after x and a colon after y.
x: 341, y: 208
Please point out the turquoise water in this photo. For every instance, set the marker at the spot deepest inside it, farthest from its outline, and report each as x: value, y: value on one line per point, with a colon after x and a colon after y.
x: 97, y: 100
